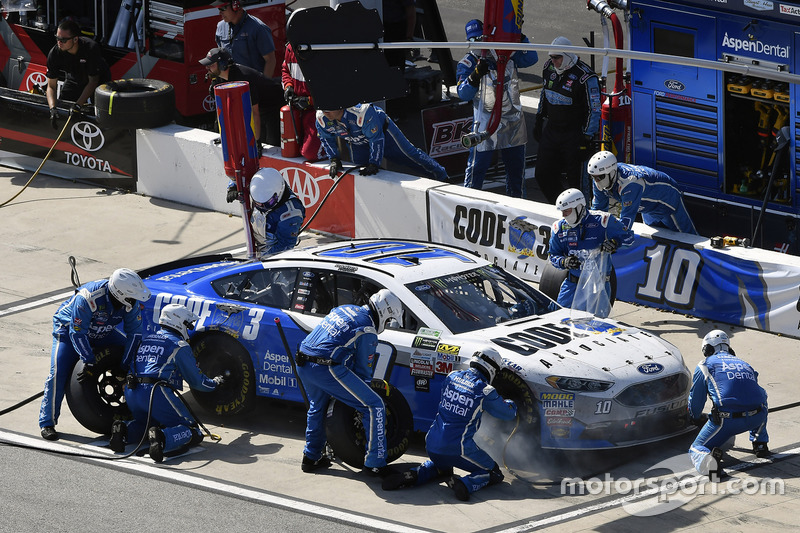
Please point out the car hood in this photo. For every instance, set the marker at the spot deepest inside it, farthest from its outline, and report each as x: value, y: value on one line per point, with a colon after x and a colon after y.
x: 588, y: 347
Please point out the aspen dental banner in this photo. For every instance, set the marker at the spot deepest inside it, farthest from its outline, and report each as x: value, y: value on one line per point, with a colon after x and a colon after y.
x: 748, y: 287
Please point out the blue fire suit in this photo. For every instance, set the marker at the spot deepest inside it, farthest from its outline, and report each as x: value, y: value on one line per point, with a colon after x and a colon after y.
x: 650, y: 192
x: 371, y: 136
x: 740, y: 401
x: 347, y: 340
x: 511, y: 134
x: 450, y: 440
x: 165, y: 356
x: 278, y: 229
x: 589, y: 234
x: 82, y: 324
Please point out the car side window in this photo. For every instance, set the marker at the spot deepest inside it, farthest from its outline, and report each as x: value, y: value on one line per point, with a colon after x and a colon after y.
x: 270, y: 288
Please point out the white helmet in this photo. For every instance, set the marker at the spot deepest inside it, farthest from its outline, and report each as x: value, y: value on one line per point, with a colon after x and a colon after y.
x: 569, y: 58
x: 715, y: 341
x: 127, y: 288
x: 385, y: 305
x: 575, y: 200
x: 179, y: 318
x: 488, y: 360
x: 602, y: 167
x: 266, y: 188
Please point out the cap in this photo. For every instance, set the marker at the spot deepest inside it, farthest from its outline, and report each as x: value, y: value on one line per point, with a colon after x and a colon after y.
x: 214, y: 55
x: 474, y: 29
x: 219, y: 3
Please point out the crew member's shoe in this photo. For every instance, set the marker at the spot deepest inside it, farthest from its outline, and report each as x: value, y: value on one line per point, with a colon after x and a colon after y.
x: 49, y: 433
x: 458, y: 486
x: 379, y: 471
x: 400, y: 480
x: 310, y: 465
x: 761, y: 449
x: 119, y: 436
x: 157, y: 441
x: 712, y: 465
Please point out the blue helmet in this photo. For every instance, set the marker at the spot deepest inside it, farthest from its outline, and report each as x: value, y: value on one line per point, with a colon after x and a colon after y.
x: 474, y: 29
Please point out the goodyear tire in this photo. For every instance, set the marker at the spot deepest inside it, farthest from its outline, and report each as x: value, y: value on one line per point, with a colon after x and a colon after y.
x: 521, y: 438
x: 134, y: 104
x: 552, y: 277
x: 95, y: 404
x: 217, y: 354
x: 346, y: 433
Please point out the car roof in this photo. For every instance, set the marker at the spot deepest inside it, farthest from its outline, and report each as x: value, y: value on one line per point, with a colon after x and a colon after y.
x: 407, y: 261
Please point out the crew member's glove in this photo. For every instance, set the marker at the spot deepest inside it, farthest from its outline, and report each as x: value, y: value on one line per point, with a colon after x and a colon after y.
x: 87, y: 374
x: 537, y: 128
x: 335, y: 168
x: 609, y: 246
x: 714, y: 417
x: 288, y: 94
x: 699, y: 422
x: 233, y: 194
x: 219, y: 380
x: 480, y: 71
x: 54, y: 118
x: 302, y: 102
x: 571, y: 262
x: 76, y: 111
x: 370, y: 170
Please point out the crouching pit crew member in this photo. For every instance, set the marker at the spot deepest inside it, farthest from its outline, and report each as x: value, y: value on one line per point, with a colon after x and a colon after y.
x: 450, y: 443
x: 739, y: 404
x: 336, y: 360
x: 164, y: 357
x: 278, y: 214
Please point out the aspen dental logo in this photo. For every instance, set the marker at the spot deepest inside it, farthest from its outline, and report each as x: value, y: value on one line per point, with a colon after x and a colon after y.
x: 756, y: 47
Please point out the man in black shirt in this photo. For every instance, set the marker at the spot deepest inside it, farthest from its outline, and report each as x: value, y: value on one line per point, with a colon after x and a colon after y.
x: 78, y: 61
x: 266, y: 95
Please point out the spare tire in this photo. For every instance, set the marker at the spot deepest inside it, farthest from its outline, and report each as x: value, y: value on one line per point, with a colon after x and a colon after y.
x: 346, y: 433
x: 134, y: 103
x: 97, y: 402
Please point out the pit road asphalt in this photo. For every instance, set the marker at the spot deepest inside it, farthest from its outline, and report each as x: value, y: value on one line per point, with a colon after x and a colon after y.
x: 251, y: 480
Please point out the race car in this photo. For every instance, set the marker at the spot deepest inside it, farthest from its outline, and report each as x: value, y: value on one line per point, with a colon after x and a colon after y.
x: 580, y: 382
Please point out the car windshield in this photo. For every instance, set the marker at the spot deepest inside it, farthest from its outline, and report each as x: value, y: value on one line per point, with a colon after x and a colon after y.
x: 480, y: 298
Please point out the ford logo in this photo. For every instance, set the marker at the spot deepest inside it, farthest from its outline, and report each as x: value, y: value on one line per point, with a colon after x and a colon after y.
x: 650, y: 368
x: 674, y: 85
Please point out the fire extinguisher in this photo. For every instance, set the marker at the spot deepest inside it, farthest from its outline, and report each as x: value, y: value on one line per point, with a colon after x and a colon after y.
x: 289, y: 145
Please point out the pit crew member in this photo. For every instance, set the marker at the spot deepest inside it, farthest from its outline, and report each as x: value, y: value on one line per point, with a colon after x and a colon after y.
x: 739, y: 404
x: 82, y: 327
x: 335, y: 360
x: 298, y: 97
x: 450, y: 443
x: 246, y: 37
x: 278, y: 214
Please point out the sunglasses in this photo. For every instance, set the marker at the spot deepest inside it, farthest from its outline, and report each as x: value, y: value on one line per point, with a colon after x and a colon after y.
x: 64, y: 39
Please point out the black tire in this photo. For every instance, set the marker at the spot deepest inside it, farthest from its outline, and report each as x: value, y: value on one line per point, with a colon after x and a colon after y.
x: 346, y: 434
x: 524, y: 441
x: 217, y: 354
x: 96, y: 404
x: 552, y: 277
x: 134, y: 104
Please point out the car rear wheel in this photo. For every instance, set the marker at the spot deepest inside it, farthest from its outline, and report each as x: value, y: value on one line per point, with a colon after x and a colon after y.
x: 97, y: 402
x: 346, y: 432
x: 219, y: 354
x: 134, y: 103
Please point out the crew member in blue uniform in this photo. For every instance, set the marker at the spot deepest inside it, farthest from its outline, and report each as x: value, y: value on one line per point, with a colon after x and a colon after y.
x: 86, y: 323
x: 164, y: 356
x: 371, y: 136
x: 335, y: 361
x: 638, y: 189
x: 476, y: 81
x: 579, y: 232
x: 739, y: 404
x: 567, y: 120
x: 278, y: 214
x: 450, y: 443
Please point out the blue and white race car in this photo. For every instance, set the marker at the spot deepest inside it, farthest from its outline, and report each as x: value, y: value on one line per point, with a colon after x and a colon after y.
x: 580, y: 383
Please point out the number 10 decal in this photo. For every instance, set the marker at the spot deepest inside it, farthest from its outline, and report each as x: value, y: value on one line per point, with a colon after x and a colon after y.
x: 672, y: 278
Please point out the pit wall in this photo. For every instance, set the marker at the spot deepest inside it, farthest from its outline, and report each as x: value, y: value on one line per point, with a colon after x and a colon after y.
x: 663, y: 269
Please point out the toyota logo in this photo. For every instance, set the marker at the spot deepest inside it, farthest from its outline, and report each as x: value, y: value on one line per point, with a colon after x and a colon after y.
x: 209, y: 104
x: 36, y: 79
x: 87, y: 136
x: 305, y: 186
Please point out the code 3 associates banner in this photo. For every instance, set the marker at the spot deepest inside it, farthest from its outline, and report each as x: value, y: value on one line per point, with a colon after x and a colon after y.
x: 749, y: 287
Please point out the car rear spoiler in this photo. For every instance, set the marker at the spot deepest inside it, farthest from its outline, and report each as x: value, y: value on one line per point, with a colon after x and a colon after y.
x: 186, y: 262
